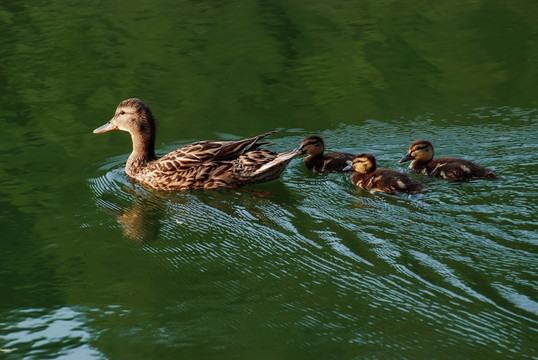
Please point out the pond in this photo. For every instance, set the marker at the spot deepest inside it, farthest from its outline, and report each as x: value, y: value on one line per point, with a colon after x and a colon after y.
x: 95, y: 266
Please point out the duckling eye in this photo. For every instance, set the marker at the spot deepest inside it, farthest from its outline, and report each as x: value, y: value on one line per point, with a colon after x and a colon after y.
x: 122, y: 112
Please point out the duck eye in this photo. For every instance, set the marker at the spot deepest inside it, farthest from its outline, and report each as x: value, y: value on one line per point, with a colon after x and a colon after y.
x: 122, y: 112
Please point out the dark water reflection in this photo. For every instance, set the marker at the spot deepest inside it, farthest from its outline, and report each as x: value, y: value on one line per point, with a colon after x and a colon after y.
x: 95, y: 266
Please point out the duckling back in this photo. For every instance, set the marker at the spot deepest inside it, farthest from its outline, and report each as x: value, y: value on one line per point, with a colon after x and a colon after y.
x: 388, y: 181
x: 335, y: 161
x: 317, y: 161
x: 453, y: 169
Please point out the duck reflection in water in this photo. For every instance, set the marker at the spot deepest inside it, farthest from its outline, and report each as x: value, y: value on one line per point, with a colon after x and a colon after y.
x: 143, y: 220
x: 139, y: 224
x: 151, y: 211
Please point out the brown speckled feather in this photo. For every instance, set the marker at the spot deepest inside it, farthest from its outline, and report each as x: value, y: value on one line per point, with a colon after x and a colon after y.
x: 247, y: 168
x: 205, y: 151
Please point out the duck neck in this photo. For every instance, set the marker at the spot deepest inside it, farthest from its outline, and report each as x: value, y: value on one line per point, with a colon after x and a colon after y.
x: 312, y: 160
x: 357, y: 177
x: 143, y: 150
x: 417, y: 165
x: 314, y: 156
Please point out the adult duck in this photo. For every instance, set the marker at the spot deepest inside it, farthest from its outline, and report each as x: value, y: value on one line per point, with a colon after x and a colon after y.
x: 421, y: 152
x: 318, y: 161
x: 367, y: 176
x: 200, y: 165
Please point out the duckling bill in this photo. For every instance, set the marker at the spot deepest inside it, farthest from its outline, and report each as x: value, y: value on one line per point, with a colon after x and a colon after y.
x: 421, y: 153
x: 367, y: 176
x: 317, y: 161
x: 201, y: 165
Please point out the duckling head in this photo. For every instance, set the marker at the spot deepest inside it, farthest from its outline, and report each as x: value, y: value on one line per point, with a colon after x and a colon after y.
x: 420, y: 150
x: 364, y: 163
x: 313, y: 145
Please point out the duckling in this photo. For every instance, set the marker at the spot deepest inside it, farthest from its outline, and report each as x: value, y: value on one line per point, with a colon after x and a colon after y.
x: 421, y: 152
x: 367, y: 176
x: 317, y: 161
x: 201, y: 165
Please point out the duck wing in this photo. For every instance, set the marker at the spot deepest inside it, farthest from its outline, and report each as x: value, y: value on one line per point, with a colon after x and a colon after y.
x: 232, y: 149
x: 202, y: 152
x: 261, y: 165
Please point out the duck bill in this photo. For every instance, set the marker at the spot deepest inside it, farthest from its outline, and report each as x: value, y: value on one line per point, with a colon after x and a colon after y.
x: 405, y: 158
x: 109, y: 126
x: 347, y: 167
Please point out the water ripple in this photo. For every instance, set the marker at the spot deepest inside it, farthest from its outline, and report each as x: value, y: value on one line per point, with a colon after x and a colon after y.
x: 321, y: 249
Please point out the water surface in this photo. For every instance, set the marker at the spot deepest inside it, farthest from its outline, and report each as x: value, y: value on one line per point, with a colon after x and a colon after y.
x: 94, y: 266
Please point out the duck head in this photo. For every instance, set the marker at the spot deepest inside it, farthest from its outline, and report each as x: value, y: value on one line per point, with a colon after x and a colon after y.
x: 420, y: 150
x: 313, y: 145
x: 135, y: 117
x: 363, y: 164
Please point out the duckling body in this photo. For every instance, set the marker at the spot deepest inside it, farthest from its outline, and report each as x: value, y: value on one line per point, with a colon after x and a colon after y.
x: 367, y: 176
x: 317, y: 161
x: 200, y: 165
x: 421, y: 152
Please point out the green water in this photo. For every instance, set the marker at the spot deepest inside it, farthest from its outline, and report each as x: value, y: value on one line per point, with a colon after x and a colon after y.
x: 93, y: 266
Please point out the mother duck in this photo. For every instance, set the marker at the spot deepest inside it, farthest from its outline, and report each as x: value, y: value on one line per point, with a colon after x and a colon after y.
x: 200, y: 165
